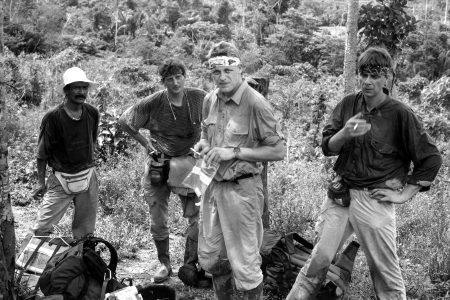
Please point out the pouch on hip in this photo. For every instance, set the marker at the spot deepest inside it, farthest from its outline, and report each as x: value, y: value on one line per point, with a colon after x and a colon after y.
x: 75, y: 183
x: 339, y: 192
x: 158, y: 172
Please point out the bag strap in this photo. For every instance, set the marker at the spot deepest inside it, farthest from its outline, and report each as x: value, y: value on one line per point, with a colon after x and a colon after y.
x: 289, y: 239
x: 108, y: 277
x: 112, y: 266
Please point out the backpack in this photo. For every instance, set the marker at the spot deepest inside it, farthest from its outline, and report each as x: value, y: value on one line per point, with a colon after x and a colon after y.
x: 284, y: 255
x: 80, y: 272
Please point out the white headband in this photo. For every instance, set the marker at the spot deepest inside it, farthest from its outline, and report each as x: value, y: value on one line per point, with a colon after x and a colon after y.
x: 223, y: 61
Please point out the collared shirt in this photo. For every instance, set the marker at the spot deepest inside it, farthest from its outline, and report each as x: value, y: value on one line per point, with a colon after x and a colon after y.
x: 174, y: 129
x: 66, y: 144
x: 382, y: 157
x: 244, y: 120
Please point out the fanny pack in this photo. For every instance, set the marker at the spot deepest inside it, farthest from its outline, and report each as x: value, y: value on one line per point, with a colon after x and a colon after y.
x: 75, y: 183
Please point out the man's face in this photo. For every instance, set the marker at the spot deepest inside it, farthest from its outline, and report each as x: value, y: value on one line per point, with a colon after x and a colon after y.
x: 372, y: 83
x: 227, y: 79
x: 77, y: 92
x: 174, y: 83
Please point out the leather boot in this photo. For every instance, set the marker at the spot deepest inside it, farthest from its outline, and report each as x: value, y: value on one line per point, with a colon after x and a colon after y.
x: 164, y: 270
x: 253, y: 294
x: 188, y: 273
x: 190, y: 252
x: 223, y: 287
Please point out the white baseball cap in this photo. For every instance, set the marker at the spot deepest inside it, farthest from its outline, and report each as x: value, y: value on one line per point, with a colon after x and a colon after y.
x: 75, y: 74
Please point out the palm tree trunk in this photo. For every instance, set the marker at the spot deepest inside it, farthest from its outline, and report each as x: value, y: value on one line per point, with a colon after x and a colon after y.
x: 351, y: 44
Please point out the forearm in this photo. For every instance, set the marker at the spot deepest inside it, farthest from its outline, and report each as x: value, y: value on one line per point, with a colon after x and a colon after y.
x: 263, y: 153
x: 41, y: 169
x: 337, y: 141
x: 409, y: 191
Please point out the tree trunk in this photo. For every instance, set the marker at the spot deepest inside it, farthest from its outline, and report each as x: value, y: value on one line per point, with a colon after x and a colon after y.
x: 351, y: 44
x: 446, y: 12
x: 1, y: 25
x: 7, y: 235
x: 262, y: 86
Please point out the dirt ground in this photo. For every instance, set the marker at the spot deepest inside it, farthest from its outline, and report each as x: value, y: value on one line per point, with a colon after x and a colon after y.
x: 140, y: 269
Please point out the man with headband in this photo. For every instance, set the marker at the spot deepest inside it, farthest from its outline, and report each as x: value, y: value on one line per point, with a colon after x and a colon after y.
x: 376, y: 138
x: 173, y: 117
x: 239, y: 132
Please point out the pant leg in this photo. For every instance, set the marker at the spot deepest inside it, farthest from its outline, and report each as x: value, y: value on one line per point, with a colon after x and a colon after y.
x: 85, y: 213
x: 332, y: 228
x: 53, y: 208
x: 157, y: 198
x: 240, y: 207
x: 191, y: 212
x: 212, y: 254
x: 375, y: 226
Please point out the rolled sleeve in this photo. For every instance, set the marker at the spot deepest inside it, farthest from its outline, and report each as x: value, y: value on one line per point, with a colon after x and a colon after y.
x: 133, y: 119
x: 424, y: 154
x: 268, y: 128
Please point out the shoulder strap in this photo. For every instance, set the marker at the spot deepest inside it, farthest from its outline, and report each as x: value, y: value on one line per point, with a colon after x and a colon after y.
x: 114, y: 259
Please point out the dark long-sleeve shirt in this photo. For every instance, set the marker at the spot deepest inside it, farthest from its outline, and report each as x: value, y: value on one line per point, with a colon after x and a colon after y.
x: 382, y: 157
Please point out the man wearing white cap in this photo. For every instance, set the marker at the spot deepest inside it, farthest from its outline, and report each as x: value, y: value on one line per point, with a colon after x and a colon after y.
x: 66, y: 143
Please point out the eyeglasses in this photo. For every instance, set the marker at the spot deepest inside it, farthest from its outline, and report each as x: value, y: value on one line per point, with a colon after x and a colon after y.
x: 223, y: 61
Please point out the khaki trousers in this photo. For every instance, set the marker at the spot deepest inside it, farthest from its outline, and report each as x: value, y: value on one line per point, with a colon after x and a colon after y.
x: 374, y: 224
x: 231, y: 231
x: 56, y: 202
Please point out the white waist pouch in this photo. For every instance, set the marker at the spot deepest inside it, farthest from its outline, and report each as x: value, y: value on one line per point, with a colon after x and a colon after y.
x: 75, y: 183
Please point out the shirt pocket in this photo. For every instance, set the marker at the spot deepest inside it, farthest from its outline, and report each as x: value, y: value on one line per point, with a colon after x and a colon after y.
x: 383, y: 153
x: 236, y: 134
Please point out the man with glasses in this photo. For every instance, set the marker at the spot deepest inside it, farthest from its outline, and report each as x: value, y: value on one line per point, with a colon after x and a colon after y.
x: 239, y: 132
x: 173, y: 117
x: 376, y: 138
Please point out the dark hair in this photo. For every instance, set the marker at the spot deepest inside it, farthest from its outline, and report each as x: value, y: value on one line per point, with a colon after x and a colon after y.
x: 171, y: 67
x: 375, y: 57
x: 223, y: 49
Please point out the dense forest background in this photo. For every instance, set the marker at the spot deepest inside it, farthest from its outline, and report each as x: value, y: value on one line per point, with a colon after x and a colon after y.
x: 298, y: 45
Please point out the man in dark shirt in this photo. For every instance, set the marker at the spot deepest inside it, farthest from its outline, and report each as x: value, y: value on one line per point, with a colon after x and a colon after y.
x: 376, y: 138
x: 66, y: 143
x: 173, y: 118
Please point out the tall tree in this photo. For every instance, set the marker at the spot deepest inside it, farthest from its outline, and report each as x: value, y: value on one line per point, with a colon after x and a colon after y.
x: 351, y: 44
x: 7, y: 234
x: 385, y: 23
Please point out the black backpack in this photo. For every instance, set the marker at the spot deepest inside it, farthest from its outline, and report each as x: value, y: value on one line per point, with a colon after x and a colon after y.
x: 80, y: 272
x: 284, y: 255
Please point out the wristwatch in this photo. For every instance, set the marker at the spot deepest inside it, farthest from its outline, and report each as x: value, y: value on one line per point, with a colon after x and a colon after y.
x: 236, y: 150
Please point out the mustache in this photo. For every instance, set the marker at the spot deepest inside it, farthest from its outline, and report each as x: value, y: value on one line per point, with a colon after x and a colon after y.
x: 80, y: 96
